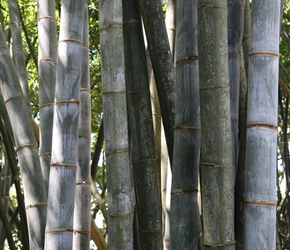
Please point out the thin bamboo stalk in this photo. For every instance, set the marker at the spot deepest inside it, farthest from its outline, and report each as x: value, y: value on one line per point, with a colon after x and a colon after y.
x: 47, y: 56
x: 82, y: 215
x: 17, y: 48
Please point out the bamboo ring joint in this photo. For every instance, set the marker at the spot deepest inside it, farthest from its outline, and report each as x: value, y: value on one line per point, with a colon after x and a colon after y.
x: 214, y: 86
x: 61, y: 164
x: 181, y: 127
x: 70, y: 40
x: 82, y: 231
x: 47, y: 17
x: 46, y: 105
x: 46, y: 59
x: 68, y: 101
x: 219, y: 245
x: 264, y: 52
x: 212, y: 6
x: 37, y: 204
x: 25, y: 146
x: 262, y: 125
x: 83, y: 182
x: 60, y: 230
x: 261, y: 202
x: 13, y: 97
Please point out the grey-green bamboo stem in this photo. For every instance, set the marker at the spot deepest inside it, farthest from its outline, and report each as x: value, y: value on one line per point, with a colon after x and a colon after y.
x: 235, y: 35
x: 7, y: 227
x: 62, y: 178
x: 121, y: 199
x: 170, y: 22
x: 7, y: 134
x: 184, y: 212
x: 162, y: 64
x: 26, y: 147
x: 5, y: 183
x: 240, y: 176
x: 216, y: 149
x: 246, y: 35
x: 141, y: 134
x: 82, y: 212
x: 47, y: 56
x: 261, y: 155
x: 17, y: 48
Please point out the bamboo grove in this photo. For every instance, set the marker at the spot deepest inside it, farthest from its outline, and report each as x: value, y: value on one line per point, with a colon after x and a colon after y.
x: 137, y: 124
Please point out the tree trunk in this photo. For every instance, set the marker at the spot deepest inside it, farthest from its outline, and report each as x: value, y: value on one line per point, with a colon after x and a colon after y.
x: 184, y: 216
x: 260, y: 186
x: 62, y: 179
x: 121, y: 200
x: 216, y: 149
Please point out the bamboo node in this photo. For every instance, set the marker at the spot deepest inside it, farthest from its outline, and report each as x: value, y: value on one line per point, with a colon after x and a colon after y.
x: 234, y: 51
x: 264, y: 52
x: 83, y: 182
x: 26, y: 146
x: 13, y: 97
x: 187, y: 58
x: 166, y: 240
x: 67, y: 101
x: 184, y: 191
x: 213, y: 165
x: 82, y: 231
x: 44, y: 154
x: 70, y: 40
x: 132, y: 21
x: 62, y: 164
x: 143, y: 160
x: 47, y: 59
x: 84, y: 136
x: 59, y: 230
x: 212, y: 6
x: 37, y: 204
x: 262, y: 125
x: 47, y: 17
x: 4, y: 47
x: 118, y: 26
x: 114, y: 92
x: 261, y: 202
x: 214, y: 86
x: 182, y: 127
x: 160, y: 52
x: 108, y: 153
x: 46, y: 105
x: 209, y: 245
x: 85, y: 89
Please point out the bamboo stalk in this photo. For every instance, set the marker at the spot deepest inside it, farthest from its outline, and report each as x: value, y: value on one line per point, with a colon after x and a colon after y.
x: 26, y: 147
